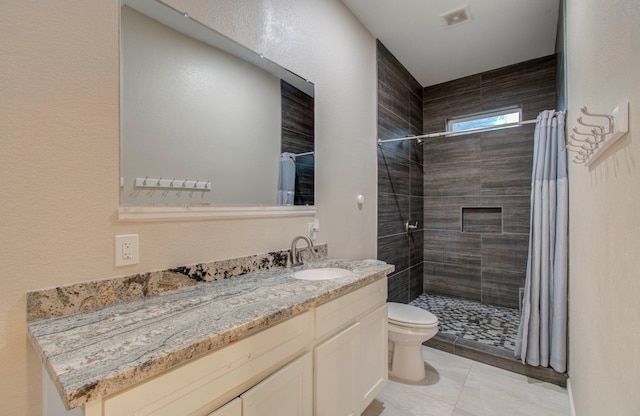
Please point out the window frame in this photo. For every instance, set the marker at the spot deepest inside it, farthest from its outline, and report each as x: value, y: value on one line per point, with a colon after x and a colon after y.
x: 482, y: 115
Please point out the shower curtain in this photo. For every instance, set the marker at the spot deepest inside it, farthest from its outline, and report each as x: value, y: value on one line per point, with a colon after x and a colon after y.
x: 542, y: 335
x: 287, y: 178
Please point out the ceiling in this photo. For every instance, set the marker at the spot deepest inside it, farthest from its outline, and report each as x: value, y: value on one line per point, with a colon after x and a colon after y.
x: 499, y: 33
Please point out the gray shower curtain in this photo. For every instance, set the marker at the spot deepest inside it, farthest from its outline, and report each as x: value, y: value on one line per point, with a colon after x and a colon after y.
x: 287, y: 179
x: 542, y: 335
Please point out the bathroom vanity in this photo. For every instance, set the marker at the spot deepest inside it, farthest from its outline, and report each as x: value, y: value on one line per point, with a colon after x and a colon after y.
x: 263, y: 343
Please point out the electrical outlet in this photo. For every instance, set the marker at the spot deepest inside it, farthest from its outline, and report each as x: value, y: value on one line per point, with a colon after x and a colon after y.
x: 127, y: 251
x: 313, y: 228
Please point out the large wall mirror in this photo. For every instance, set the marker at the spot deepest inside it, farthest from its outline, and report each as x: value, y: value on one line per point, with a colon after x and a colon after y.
x: 207, y: 123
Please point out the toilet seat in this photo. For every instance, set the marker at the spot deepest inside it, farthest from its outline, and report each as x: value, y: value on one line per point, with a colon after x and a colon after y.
x: 410, y: 316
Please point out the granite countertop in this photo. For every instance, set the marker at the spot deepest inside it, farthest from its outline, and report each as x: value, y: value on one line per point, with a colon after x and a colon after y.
x: 101, y: 351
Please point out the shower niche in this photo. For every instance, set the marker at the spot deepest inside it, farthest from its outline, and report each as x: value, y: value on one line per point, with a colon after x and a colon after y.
x: 484, y: 220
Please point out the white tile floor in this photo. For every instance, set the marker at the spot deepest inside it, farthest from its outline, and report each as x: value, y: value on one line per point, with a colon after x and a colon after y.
x: 457, y: 386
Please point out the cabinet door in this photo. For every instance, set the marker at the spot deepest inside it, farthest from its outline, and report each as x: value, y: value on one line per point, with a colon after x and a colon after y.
x: 287, y: 392
x: 233, y: 408
x: 374, y: 347
x: 337, y: 373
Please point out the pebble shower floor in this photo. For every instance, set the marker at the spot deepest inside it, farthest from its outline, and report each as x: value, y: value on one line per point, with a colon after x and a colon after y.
x: 490, y: 325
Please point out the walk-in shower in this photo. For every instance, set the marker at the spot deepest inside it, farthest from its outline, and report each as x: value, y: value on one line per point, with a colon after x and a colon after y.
x: 466, y: 260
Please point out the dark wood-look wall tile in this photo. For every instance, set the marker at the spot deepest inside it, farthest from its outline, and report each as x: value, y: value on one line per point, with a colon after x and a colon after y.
x: 452, y: 247
x: 296, y: 142
x: 395, y: 249
x: 453, y: 280
x: 532, y: 106
x: 515, y: 211
x: 530, y: 77
x: 392, y: 126
x: 452, y: 167
x: 415, y: 114
x: 416, y: 211
x: 416, y: 247
x: 400, y: 173
x: 398, y: 287
x: 392, y: 94
x: 444, y: 213
x: 529, y: 84
x: 436, y: 112
x: 416, y: 152
x: 507, y: 143
x: 445, y: 181
x: 451, y: 153
x: 393, y: 212
x: 507, y: 176
x: 501, y: 287
x: 393, y: 173
x: 458, y: 86
x: 297, y: 110
x: 416, y: 179
x: 505, y: 252
x: 416, y: 281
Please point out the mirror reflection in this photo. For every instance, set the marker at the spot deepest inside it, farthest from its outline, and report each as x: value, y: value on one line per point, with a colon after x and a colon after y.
x: 205, y: 121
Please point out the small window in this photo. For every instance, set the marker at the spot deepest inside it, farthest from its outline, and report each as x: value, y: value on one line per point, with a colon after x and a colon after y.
x: 491, y: 119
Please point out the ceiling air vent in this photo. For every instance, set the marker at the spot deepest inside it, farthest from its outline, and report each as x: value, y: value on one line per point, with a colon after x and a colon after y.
x: 455, y: 17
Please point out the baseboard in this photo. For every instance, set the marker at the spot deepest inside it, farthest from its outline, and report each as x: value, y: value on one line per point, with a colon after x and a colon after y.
x: 570, y: 394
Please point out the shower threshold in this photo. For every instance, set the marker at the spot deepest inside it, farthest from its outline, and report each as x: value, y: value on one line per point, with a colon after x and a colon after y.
x: 481, y: 332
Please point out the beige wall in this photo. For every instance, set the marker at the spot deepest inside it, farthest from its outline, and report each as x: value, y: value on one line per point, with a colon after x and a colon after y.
x: 603, y: 64
x: 59, y: 163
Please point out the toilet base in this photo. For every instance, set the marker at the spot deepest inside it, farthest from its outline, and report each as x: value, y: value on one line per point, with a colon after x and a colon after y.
x: 407, y: 363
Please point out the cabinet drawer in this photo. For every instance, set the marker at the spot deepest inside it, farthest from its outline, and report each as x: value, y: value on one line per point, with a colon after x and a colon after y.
x: 344, y: 310
x: 206, y: 383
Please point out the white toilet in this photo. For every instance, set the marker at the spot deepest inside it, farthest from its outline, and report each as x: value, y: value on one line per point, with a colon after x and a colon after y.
x: 409, y: 327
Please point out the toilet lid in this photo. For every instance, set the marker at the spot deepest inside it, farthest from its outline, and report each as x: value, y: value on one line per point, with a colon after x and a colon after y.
x: 406, y: 314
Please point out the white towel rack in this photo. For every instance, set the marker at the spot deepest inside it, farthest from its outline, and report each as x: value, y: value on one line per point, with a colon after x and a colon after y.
x: 177, y: 184
x: 602, y: 133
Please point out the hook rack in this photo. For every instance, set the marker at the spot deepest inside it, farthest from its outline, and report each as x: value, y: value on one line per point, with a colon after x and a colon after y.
x: 601, y: 134
x: 177, y: 184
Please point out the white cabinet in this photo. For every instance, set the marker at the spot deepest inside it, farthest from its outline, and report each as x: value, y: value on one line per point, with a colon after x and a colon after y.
x: 337, y: 370
x: 288, y: 392
x: 373, y: 356
x: 233, y: 408
x: 351, y: 366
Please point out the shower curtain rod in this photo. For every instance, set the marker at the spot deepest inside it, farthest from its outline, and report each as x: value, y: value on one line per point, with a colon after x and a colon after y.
x: 465, y: 131
x: 304, y: 154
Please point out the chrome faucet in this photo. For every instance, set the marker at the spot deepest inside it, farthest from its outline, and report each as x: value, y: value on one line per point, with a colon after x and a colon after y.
x: 294, y: 254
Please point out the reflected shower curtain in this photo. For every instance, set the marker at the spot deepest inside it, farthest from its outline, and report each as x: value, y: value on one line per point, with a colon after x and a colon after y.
x: 542, y: 335
x: 287, y: 178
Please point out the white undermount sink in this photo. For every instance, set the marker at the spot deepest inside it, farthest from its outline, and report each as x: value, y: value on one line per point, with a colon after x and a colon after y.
x: 324, y: 273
